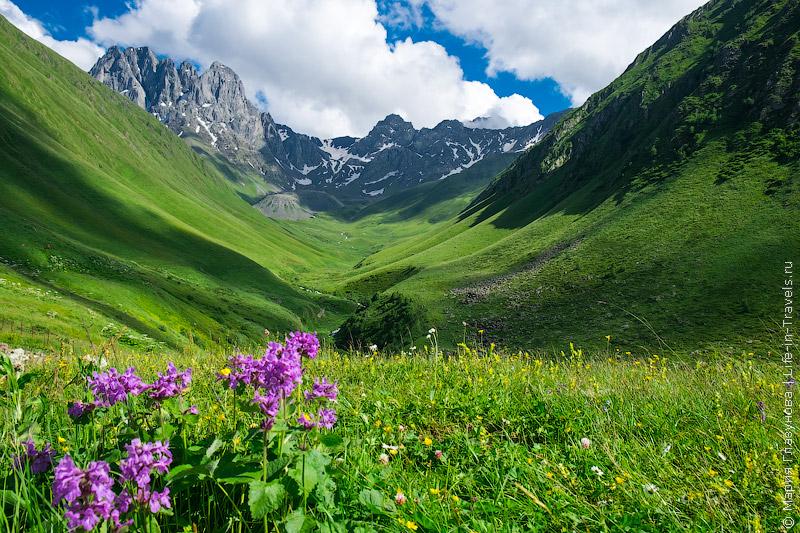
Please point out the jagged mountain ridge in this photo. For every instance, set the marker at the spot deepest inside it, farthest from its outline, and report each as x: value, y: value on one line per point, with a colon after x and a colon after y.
x: 213, y: 108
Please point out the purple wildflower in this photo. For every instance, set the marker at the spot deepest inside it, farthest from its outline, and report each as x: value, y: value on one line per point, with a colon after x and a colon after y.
x: 138, y: 467
x: 40, y: 461
x: 306, y: 421
x: 88, y: 493
x: 143, y: 459
x: 790, y: 382
x: 112, y: 387
x: 305, y: 344
x: 322, y: 388
x: 171, y: 383
x: 327, y: 418
x: 78, y: 409
x: 191, y: 410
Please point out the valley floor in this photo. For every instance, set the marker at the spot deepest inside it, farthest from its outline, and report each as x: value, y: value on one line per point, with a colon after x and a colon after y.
x: 475, y: 440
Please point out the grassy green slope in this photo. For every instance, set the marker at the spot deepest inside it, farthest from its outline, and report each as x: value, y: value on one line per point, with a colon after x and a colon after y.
x: 100, y: 202
x: 660, y: 212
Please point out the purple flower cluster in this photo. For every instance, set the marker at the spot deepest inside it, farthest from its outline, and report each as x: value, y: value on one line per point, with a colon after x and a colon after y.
x: 305, y: 344
x: 112, y: 387
x: 39, y: 461
x: 277, y: 374
x: 323, y: 389
x: 142, y: 461
x: 89, y: 493
x: 171, y: 383
x: 325, y: 418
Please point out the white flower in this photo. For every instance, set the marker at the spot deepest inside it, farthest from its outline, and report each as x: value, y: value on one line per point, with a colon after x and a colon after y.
x: 384, y: 459
x: 373, y: 347
x: 722, y: 456
x: 429, y: 336
x: 432, y: 330
x: 666, y: 449
x: 649, y: 487
x: 585, y: 443
x: 464, y: 323
x: 400, y: 498
x: 597, y: 470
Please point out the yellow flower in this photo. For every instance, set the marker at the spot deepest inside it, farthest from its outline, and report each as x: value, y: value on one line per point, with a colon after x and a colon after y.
x: 619, y: 480
x: 225, y: 372
x: 393, y: 451
x: 411, y: 525
x: 712, y: 472
x: 427, y: 441
x: 608, y: 338
x: 728, y: 483
x: 435, y: 491
x: 455, y: 498
x: 549, y: 475
x: 61, y: 440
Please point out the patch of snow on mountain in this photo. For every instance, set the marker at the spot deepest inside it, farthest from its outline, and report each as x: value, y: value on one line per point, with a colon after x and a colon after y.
x: 284, y: 134
x: 387, y: 176
x: 372, y: 193
x: 306, y: 169
x: 507, y: 147
x: 208, y: 129
x: 302, y: 181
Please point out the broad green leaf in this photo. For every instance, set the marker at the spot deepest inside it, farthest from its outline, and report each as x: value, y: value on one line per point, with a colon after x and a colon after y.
x: 298, y: 522
x: 265, y: 497
x: 214, y: 447
x: 374, y: 501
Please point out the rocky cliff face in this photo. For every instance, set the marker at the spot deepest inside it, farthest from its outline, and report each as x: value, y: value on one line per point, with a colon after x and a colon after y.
x: 212, y: 108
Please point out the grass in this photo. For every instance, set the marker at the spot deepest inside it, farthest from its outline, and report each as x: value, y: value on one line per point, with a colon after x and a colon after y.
x: 677, y: 443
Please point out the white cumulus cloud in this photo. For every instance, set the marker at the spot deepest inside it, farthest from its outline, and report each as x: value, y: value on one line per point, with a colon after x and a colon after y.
x: 582, y: 44
x: 81, y: 51
x: 324, y: 66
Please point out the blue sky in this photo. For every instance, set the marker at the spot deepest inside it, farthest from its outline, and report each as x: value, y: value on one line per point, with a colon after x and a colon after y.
x: 335, y: 67
x: 69, y: 20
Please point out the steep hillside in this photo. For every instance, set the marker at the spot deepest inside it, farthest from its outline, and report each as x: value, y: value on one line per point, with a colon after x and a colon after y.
x: 660, y: 212
x: 116, y: 218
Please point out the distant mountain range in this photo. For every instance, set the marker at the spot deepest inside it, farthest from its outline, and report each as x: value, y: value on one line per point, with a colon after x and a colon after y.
x: 212, y: 107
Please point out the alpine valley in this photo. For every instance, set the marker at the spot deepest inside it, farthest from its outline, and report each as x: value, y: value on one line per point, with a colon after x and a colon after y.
x: 156, y: 199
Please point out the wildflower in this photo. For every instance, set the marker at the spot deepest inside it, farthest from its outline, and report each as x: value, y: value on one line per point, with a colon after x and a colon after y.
x: 322, y: 388
x: 608, y: 338
x: 455, y: 498
x: 304, y: 344
x: 383, y: 458
x: 373, y: 348
x: 619, y: 480
x: 137, y: 468
x: 598, y: 471
x: 666, y: 449
x: 650, y: 488
x: 192, y: 410
x: 435, y: 491
x: 411, y: 525
x: 78, y: 409
x: 225, y: 372
x: 438, y: 454
x: 728, y: 483
x: 401, y: 428
x: 327, y: 418
x: 111, y: 387
x: 39, y: 461
x: 432, y: 331
x: 427, y: 441
x: 400, y: 498
x: 171, y: 383
x: 712, y: 472
x: 585, y: 443
x: 88, y: 493
x: 306, y: 421
x: 428, y: 336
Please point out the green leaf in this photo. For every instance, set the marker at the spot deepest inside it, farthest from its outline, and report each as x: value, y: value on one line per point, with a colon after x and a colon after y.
x: 331, y: 440
x: 332, y: 527
x: 309, y: 469
x: 298, y: 522
x: 265, y: 497
x: 375, y: 502
x: 9, y: 498
x: 214, y: 447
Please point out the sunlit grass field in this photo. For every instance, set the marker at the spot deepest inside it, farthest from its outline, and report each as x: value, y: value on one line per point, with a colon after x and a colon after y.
x: 473, y: 440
